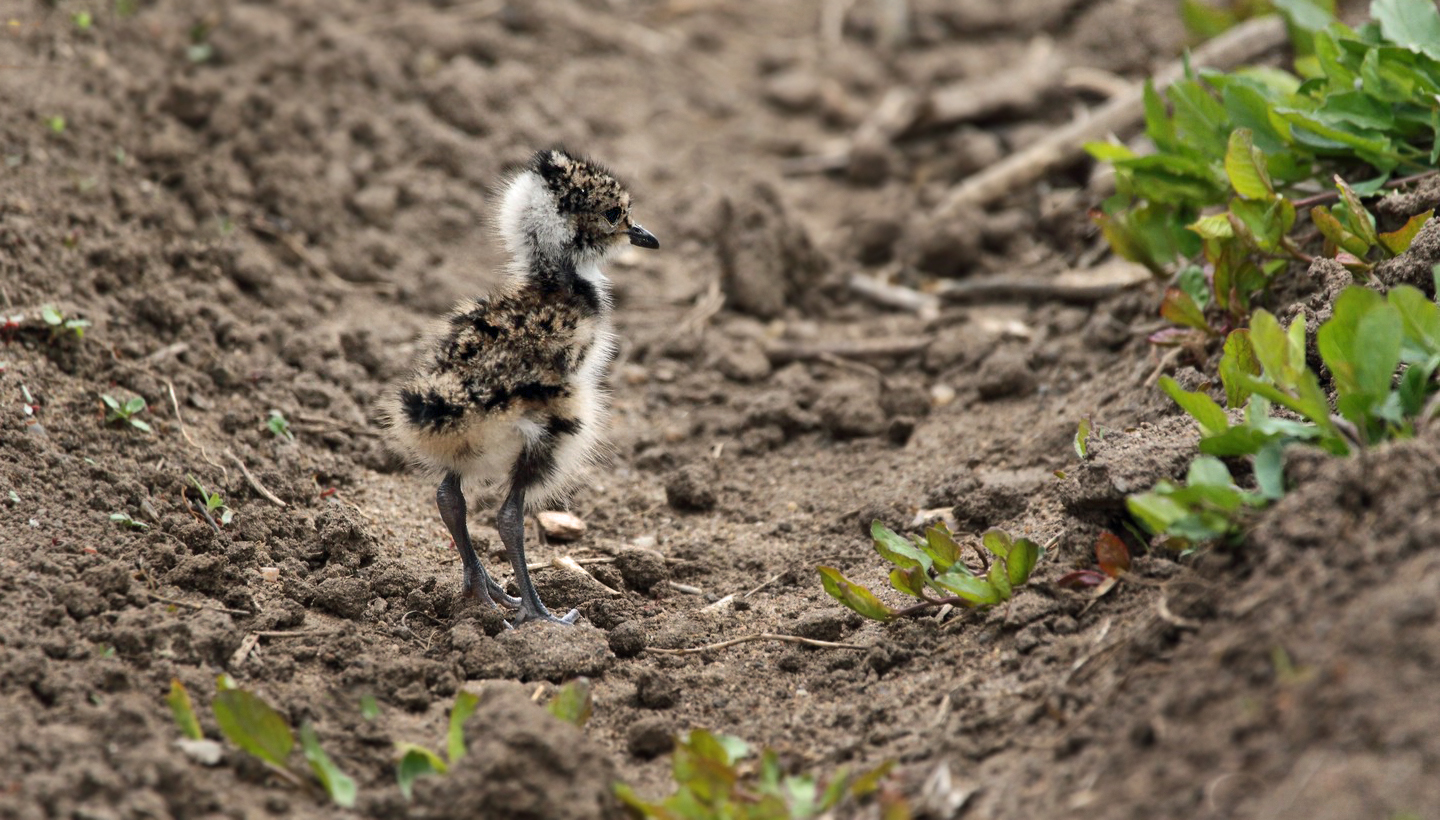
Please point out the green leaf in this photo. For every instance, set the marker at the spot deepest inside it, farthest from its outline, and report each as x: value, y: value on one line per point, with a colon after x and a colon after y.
x: 1414, y: 24
x: 1362, y: 225
x: 340, y: 786
x: 1206, y: 471
x: 999, y: 578
x: 1336, y: 233
x: 997, y: 541
x: 1420, y: 318
x: 573, y: 702
x: 1361, y: 343
x: 977, y: 591
x: 253, y: 725
x: 134, y: 405
x: 369, y: 708
x: 1200, y: 119
x: 111, y: 402
x: 183, y: 710
x: 896, y: 548
x: 940, y: 545
x: 1021, y: 561
x: 1245, y: 166
x: 51, y: 315
x: 142, y: 425
x: 1238, y: 357
x: 1082, y: 440
x: 909, y: 581
x: 416, y: 762
x: 465, y: 706
x: 1215, y: 226
x: 1155, y: 512
x: 869, y: 782
x: 853, y: 595
x: 1202, y: 408
x: 1270, y: 470
x: 1158, y: 125
x: 1398, y: 241
x: 1178, y: 307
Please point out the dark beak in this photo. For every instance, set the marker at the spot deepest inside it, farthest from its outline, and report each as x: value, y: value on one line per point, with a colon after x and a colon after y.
x: 643, y: 238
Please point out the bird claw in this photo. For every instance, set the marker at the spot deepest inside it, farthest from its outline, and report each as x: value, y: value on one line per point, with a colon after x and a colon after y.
x: 525, y: 616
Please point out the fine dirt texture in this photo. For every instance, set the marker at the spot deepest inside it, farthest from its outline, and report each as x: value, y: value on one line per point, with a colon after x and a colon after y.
x: 259, y: 205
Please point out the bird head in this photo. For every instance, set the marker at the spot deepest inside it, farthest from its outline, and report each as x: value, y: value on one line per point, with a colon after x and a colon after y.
x: 566, y: 207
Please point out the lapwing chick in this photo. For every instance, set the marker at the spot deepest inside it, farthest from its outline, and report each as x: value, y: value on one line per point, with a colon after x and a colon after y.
x: 508, y: 393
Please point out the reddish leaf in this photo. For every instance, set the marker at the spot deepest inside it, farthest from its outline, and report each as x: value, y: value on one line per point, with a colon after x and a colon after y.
x: 1179, y: 307
x: 1081, y: 578
x: 1111, y: 554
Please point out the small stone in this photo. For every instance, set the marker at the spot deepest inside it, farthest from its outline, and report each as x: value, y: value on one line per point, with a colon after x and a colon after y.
x: 941, y: 394
x: 875, y: 240
x: 377, y: 204
x: 627, y: 640
x: 692, y: 487
x: 561, y: 526
x: 793, y: 91
x: 869, y: 164
x: 825, y: 625
x: 657, y: 691
x: 270, y: 574
x: 851, y: 409
x: 642, y: 569
x: 949, y: 248
x: 649, y: 737
x: 744, y: 362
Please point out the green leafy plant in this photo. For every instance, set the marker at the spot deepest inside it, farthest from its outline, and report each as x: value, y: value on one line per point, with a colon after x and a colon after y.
x: 55, y: 318
x: 413, y: 761
x: 1239, y: 155
x: 279, y: 426
x: 935, y: 563
x: 250, y: 723
x: 212, y: 502
x: 1368, y: 339
x: 126, y: 411
x: 124, y: 519
x: 712, y: 783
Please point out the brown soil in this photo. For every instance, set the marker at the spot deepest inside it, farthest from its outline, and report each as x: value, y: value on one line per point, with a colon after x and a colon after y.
x: 269, y: 227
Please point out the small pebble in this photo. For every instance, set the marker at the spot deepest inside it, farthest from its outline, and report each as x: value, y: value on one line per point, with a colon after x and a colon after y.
x: 270, y: 574
x: 941, y: 394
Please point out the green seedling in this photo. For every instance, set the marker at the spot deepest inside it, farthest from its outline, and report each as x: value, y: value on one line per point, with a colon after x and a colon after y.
x: 935, y: 564
x: 250, y: 723
x: 60, y: 325
x: 413, y: 761
x: 1239, y: 156
x: 56, y: 124
x: 213, y: 502
x: 713, y: 782
x: 124, y: 519
x: 82, y: 20
x: 1367, y: 340
x: 279, y: 426
x: 125, y: 412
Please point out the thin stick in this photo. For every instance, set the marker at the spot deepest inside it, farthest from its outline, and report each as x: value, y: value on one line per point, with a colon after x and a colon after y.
x: 763, y: 636
x: 175, y: 601
x: 568, y: 563
x: 999, y: 288
x: 1239, y: 45
x: 580, y: 561
x: 772, y: 580
x: 254, y: 482
x: 175, y: 405
x: 894, y: 296
x: 783, y: 353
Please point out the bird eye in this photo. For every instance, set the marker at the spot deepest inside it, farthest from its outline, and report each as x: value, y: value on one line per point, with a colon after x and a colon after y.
x: 612, y: 216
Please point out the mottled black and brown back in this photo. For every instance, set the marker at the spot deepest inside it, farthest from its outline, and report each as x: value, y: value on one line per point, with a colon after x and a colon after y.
x: 517, y: 374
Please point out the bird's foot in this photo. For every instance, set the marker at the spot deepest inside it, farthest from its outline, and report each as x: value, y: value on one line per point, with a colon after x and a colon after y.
x: 527, y: 615
x: 485, y: 590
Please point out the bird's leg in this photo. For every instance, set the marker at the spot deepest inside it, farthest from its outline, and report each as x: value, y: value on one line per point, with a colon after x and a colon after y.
x: 511, y: 524
x: 478, y: 583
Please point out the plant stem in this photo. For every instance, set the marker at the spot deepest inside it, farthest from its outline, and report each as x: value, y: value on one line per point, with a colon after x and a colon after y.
x: 928, y: 604
x: 1330, y: 196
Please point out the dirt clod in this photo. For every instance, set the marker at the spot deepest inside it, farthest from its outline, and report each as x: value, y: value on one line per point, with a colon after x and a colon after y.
x: 656, y: 690
x: 557, y: 652
x: 649, y: 737
x: 642, y: 569
x: 627, y: 640
x: 522, y: 764
x: 851, y: 409
x: 693, y: 487
x: 346, y: 597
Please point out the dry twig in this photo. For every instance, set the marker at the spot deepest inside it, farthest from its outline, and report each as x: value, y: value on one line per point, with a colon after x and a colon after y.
x: 177, y: 602
x: 254, y: 482
x: 786, y: 352
x: 1241, y: 44
x: 763, y: 636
